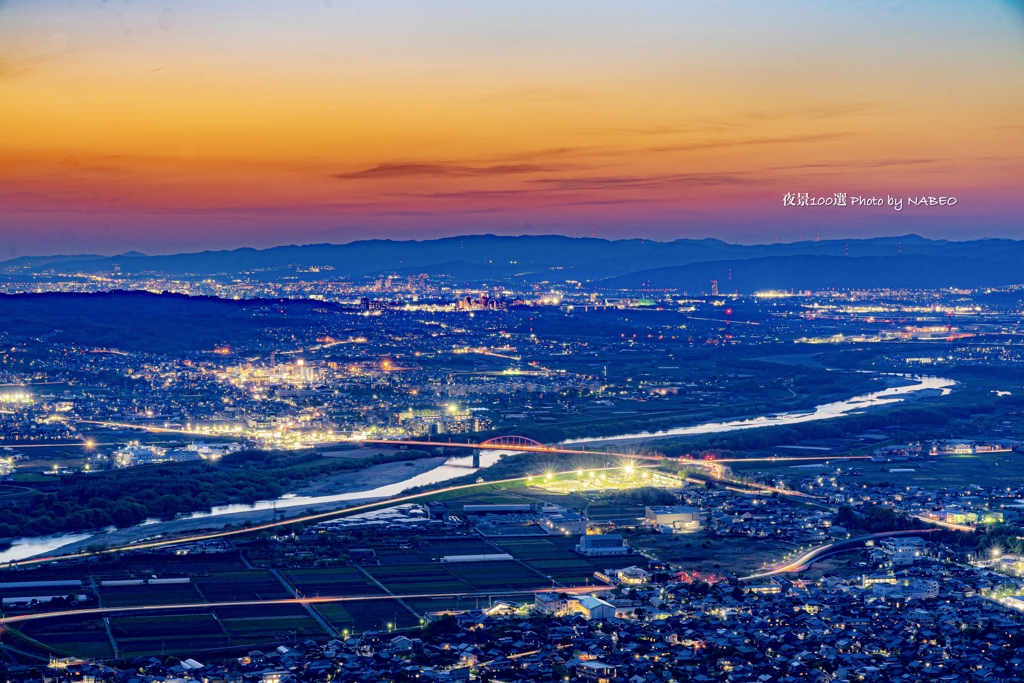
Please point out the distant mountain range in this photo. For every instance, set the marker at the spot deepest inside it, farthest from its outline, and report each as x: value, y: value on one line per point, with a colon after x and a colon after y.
x: 684, y: 265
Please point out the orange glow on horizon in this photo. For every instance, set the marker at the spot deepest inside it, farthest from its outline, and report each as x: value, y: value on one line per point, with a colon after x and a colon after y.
x: 244, y: 114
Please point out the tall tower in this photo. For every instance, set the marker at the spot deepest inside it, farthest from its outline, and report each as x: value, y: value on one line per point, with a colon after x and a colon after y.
x: 714, y: 288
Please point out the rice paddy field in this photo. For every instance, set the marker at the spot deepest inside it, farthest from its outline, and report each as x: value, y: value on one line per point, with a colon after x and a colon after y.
x: 81, y: 637
x: 264, y: 623
x: 148, y: 594
x: 368, y: 615
x: 199, y: 622
x: 147, y: 635
x: 984, y: 469
x: 416, y: 579
x: 336, y: 581
x: 240, y: 585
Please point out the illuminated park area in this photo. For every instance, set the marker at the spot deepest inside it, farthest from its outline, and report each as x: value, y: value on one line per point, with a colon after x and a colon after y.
x: 16, y: 398
x: 616, y: 479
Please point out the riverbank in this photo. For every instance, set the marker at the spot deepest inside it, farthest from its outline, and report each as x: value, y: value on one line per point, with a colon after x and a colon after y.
x: 370, y: 478
x: 369, y: 481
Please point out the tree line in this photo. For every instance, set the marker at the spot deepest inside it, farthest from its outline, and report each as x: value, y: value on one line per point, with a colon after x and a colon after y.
x: 123, y: 498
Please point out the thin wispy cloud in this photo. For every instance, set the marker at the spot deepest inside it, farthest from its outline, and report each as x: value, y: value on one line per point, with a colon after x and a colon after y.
x: 752, y: 142
x: 819, y: 112
x: 439, y: 169
x: 846, y: 164
x: 638, y: 182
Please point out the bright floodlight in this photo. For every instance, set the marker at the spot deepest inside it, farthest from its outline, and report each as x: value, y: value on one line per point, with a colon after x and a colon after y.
x: 629, y: 469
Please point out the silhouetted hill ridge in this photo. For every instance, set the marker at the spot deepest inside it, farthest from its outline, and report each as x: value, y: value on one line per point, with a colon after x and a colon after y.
x: 683, y: 263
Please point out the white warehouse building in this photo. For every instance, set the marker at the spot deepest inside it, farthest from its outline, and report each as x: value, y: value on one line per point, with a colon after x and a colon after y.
x: 679, y: 518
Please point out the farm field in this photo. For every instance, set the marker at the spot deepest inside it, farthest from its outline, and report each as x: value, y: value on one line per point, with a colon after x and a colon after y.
x: 615, y: 512
x: 80, y: 638
x: 368, y: 615
x: 149, y: 594
x: 170, y: 563
x: 407, y: 566
x: 237, y: 586
x: 133, y: 565
x: 689, y: 553
x: 226, y: 580
x: 550, y: 558
x: 265, y: 623
x: 415, y: 579
x: 153, y: 635
x: 554, y: 556
x: 986, y: 469
x: 490, y: 576
x: 336, y: 581
x: 433, y: 550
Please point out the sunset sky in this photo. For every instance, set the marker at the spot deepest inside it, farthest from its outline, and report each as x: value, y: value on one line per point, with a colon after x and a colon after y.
x: 183, y: 125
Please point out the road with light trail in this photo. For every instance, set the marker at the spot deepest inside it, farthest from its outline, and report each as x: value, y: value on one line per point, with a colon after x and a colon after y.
x: 319, y: 600
x: 808, y: 558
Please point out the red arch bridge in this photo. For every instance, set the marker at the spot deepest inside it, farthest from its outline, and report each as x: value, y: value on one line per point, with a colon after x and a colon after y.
x: 512, y: 442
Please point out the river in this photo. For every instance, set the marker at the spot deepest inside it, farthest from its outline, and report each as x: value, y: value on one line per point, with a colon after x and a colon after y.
x: 452, y: 468
x: 826, y: 411
x: 458, y: 467
x: 30, y: 547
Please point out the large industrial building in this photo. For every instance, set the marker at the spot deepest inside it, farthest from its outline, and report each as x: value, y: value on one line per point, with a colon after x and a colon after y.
x: 673, y: 518
x: 595, y: 608
x: 596, y: 545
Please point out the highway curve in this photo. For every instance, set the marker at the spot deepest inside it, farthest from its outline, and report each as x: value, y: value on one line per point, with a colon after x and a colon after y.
x: 814, y: 554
